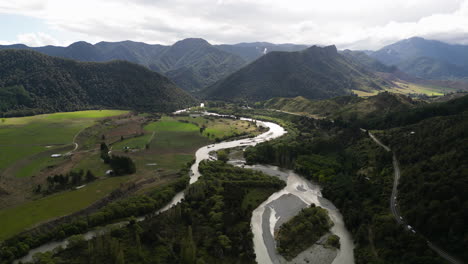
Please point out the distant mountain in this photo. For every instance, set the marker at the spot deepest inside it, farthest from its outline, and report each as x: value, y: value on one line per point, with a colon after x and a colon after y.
x: 427, y: 59
x: 315, y: 73
x: 254, y: 50
x: 367, y: 61
x: 191, y: 63
x: 195, y: 63
x: 31, y: 82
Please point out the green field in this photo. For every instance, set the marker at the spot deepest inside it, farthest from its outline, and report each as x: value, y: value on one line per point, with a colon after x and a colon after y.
x: 23, y: 137
x: 174, y: 142
x: 16, y: 219
x: 410, y: 88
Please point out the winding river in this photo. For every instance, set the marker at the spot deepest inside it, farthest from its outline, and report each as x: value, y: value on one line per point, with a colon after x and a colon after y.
x: 278, y: 208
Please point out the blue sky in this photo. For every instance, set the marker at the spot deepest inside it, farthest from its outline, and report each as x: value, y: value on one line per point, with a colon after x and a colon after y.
x: 357, y: 24
x: 12, y: 25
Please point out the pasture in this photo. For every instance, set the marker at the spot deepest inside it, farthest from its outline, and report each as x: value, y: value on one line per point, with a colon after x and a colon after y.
x: 16, y: 219
x: 24, y: 137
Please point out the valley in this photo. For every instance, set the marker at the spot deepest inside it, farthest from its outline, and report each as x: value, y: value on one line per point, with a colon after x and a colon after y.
x: 200, y: 151
x: 158, y: 146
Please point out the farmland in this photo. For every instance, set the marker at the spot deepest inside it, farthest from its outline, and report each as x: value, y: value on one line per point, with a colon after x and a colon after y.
x: 159, y: 147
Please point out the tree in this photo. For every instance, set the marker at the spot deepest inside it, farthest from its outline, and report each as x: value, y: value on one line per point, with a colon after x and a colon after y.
x: 122, y: 165
x: 188, y: 248
x: 223, y: 156
x: 105, y: 153
x: 90, y: 176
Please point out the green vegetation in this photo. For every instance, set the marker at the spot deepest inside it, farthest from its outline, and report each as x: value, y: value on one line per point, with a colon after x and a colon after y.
x: 133, y: 206
x: 412, y: 116
x: 33, y: 83
x: 33, y: 139
x: 16, y: 219
x: 426, y: 59
x: 346, y: 108
x: 356, y: 175
x: 315, y: 73
x: 333, y: 241
x: 191, y: 63
x: 122, y: 165
x: 432, y: 191
x: 209, y: 226
x: 302, y: 231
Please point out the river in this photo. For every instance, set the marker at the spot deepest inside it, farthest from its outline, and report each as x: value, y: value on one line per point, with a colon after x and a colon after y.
x: 279, y: 207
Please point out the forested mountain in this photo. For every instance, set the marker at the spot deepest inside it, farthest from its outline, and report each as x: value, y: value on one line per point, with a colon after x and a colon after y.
x: 346, y: 107
x: 315, y: 73
x: 254, y: 50
x: 432, y: 155
x: 356, y: 174
x: 367, y: 61
x: 31, y: 83
x: 190, y: 63
x: 427, y: 59
x: 194, y: 63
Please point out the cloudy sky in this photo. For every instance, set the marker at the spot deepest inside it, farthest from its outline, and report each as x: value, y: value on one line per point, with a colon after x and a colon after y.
x: 356, y: 24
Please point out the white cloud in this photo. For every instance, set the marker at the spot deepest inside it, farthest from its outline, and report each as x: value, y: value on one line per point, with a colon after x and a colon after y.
x: 359, y: 24
x: 37, y: 39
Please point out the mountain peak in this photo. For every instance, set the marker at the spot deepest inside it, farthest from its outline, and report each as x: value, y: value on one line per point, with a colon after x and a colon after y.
x: 327, y: 50
x: 192, y: 42
x: 80, y: 44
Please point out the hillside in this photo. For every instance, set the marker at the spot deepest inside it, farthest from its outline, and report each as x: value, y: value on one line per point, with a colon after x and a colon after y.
x: 432, y: 155
x: 427, y: 59
x: 194, y: 63
x: 345, y: 107
x: 315, y: 73
x: 190, y: 63
x: 31, y: 82
x: 413, y: 76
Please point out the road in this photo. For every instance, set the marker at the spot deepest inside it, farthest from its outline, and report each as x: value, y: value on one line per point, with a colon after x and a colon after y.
x: 394, y: 208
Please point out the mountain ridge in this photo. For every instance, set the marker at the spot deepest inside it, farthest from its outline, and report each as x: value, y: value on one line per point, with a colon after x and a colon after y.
x: 54, y: 84
x: 315, y: 73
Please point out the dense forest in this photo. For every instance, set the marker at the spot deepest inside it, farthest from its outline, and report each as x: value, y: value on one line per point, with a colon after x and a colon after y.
x: 356, y: 175
x: 32, y: 83
x: 433, y: 159
x: 302, y: 231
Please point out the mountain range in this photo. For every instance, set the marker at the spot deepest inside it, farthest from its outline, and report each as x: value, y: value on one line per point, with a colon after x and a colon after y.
x: 31, y: 83
x: 315, y: 73
x: 191, y: 63
x: 426, y: 59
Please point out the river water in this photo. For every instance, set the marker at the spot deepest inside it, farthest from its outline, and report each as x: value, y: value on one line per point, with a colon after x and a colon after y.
x: 279, y: 207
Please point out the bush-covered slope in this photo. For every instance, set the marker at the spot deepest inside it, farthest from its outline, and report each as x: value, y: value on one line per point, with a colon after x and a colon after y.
x: 346, y: 108
x: 432, y: 191
x: 32, y: 83
x: 315, y: 73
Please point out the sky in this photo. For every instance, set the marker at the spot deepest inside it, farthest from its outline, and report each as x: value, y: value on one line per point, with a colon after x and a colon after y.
x: 356, y: 24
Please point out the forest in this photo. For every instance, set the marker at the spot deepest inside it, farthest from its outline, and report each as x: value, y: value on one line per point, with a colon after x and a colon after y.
x: 356, y: 175
x: 433, y: 159
x: 302, y: 231
x: 211, y: 225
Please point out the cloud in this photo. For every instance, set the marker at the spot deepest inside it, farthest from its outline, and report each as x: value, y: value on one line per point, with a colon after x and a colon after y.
x: 37, y: 39
x: 357, y: 24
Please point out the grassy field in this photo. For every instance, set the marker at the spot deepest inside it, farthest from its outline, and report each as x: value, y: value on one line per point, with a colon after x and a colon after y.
x: 23, y: 137
x: 410, y: 88
x: 93, y: 163
x: 172, y: 144
x: 19, y: 218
